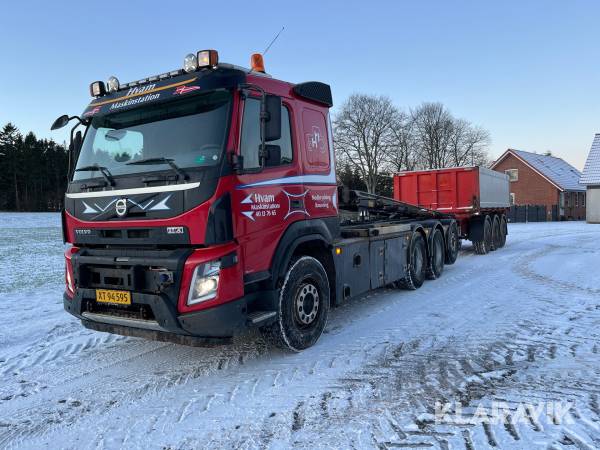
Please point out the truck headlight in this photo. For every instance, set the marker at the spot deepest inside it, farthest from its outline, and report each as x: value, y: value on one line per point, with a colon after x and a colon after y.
x: 205, y: 282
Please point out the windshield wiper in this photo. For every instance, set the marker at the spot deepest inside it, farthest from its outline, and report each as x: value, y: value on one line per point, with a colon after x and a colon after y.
x: 103, y: 170
x: 160, y: 160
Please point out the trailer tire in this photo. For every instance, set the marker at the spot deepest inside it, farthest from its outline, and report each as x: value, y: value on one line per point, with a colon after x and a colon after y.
x: 495, y: 233
x: 435, y: 268
x: 482, y: 247
x: 452, y: 244
x: 503, y: 230
x: 305, y: 286
x: 417, y: 264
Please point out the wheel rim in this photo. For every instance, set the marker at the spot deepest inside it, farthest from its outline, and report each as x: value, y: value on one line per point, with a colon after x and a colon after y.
x: 418, y: 261
x: 453, y: 242
x: 306, y: 304
x: 439, y: 251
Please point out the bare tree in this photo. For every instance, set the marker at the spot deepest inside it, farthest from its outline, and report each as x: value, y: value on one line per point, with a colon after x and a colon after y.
x: 433, y: 128
x: 441, y: 140
x: 402, y: 156
x: 468, y: 144
x: 364, y: 135
x: 373, y: 139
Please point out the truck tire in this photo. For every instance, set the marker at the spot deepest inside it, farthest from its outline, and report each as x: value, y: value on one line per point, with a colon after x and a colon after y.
x: 495, y: 233
x: 417, y: 264
x: 435, y: 268
x: 452, y: 244
x: 483, y: 247
x: 503, y: 230
x: 303, y: 305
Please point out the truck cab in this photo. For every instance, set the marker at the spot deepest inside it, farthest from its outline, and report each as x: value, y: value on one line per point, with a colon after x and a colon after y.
x: 189, y: 192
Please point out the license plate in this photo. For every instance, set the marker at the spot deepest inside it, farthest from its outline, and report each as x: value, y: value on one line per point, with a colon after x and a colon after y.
x: 115, y: 297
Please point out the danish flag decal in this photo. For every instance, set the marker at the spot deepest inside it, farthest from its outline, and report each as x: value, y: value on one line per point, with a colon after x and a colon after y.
x: 185, y: 89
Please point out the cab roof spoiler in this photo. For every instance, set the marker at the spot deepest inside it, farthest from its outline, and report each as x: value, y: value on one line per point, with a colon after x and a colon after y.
x: 315, y: 91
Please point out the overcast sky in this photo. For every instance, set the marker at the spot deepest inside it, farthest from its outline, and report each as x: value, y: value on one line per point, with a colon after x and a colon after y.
x: 528, y: 71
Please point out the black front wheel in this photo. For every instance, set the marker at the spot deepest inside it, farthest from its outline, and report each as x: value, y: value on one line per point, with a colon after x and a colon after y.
x: 303, y: 305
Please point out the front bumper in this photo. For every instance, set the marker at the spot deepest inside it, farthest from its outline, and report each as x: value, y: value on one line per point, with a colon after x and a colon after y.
x: 223, y: 321
x: 159, y: 311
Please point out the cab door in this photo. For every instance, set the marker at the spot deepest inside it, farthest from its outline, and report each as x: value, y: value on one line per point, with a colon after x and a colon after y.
x: 266, y: 199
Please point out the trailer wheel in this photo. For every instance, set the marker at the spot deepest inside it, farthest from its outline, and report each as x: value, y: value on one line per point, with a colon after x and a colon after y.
x: 483, y: 247
x: 303, y: 305
x: 495, y: 233
x: 435, y: 268
x: 417, y: 264
x: 452, y: 244
x: 503, y: 231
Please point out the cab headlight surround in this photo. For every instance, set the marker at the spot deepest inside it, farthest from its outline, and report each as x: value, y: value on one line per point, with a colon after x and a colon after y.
x: 205, y: 282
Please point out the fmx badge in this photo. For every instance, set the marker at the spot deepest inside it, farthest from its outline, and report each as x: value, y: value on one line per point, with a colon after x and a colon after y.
x: 121, y: 207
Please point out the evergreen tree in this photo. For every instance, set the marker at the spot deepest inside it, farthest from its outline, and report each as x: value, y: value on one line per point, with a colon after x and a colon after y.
x: 33, y: 172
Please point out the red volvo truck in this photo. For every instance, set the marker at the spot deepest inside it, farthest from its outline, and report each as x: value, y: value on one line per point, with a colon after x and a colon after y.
x: 203, y: 201
x: 476, y: 196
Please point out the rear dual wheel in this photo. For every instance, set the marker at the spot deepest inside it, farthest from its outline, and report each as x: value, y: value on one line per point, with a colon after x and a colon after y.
x: 452, y: 244
x: 438, y: 255
x: 484, y: 245
x: 503, y: 231
x: 496, y: 233
x: 417, y: 264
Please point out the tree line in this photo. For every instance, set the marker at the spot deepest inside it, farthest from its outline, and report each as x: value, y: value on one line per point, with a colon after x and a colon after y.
x: 373, y: 139
x: 33, y: 172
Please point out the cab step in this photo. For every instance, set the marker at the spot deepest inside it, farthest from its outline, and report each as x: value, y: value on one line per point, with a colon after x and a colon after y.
x: 259, y: 318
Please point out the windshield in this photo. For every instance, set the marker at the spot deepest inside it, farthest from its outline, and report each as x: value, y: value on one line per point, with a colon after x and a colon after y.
x: 191, y: 132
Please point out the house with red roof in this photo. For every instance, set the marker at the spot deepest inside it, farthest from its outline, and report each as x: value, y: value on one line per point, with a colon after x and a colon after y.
x: 537, y: 179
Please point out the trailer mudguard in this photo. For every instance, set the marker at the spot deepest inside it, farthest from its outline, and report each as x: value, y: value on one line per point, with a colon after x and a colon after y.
x: 476, y: 229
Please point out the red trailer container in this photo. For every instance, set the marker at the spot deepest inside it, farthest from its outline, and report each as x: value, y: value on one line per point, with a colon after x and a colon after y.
x: 476, y: 196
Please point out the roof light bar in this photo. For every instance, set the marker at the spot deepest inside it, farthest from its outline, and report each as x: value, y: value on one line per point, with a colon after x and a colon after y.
x: 190, y: 63
x: 97, y: 89
x: 207, y: 58
x: 112, y: 84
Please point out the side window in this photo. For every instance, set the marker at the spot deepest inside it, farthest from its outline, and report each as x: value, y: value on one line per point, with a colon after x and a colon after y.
x: 251, y: 134
x: 250, y: 139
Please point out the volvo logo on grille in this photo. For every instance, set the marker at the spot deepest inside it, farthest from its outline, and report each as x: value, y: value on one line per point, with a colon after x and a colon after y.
x: 121, y: 207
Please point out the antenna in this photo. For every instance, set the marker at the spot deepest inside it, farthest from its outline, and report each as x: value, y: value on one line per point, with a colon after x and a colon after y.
x: 268, y: 47
x: 274, y: 39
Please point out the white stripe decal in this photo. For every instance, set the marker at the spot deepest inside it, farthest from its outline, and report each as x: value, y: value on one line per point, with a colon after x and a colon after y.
x: 133, y: 191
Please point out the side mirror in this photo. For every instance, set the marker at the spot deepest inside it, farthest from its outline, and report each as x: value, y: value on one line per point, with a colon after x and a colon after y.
x: 273, y: 121
x: 60, y: 122
x: 273, y: 155
x: 77, y: 141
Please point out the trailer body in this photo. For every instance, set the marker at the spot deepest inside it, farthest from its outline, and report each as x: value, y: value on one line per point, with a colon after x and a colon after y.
x: 468, y: 193
x: 202, y: 202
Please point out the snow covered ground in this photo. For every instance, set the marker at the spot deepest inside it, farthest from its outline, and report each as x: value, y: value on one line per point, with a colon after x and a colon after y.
x: 517, y: 330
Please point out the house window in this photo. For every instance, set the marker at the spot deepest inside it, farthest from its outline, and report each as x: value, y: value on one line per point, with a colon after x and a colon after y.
x: 567, y: 199
x: 576, y: 199
x: 583, y: 200
x: 513, y: 174
x: 512, y: 198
